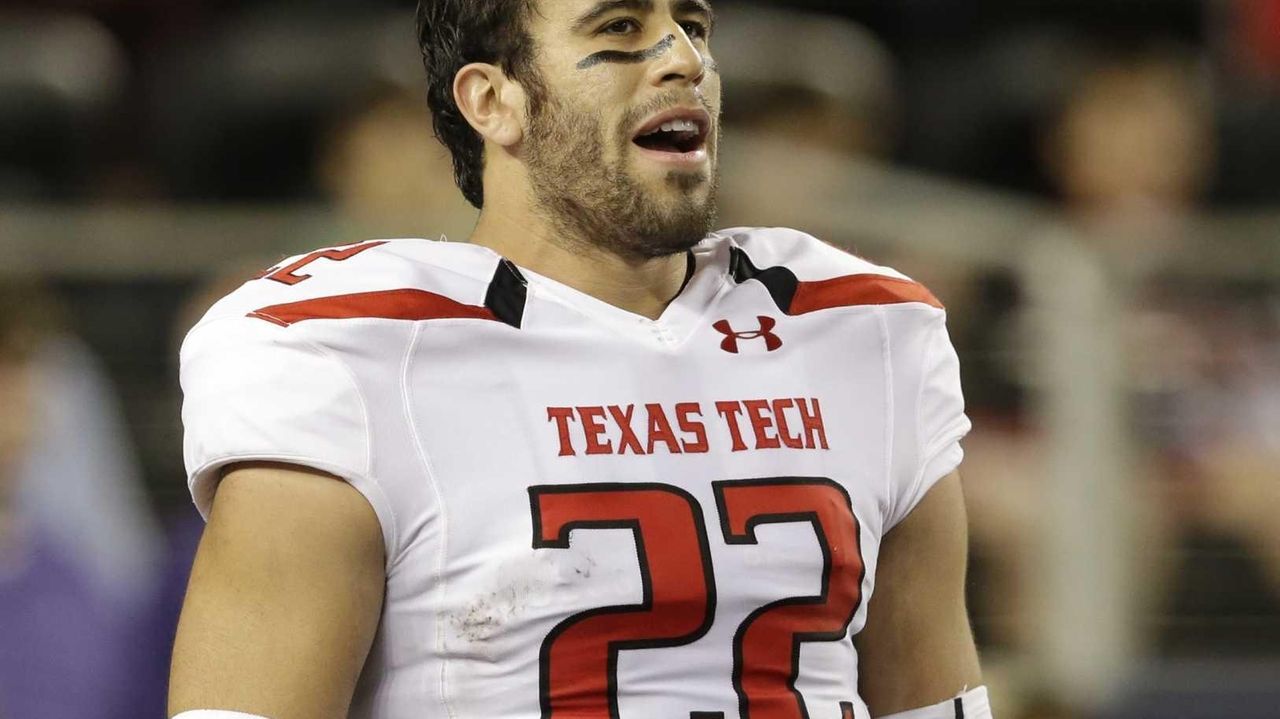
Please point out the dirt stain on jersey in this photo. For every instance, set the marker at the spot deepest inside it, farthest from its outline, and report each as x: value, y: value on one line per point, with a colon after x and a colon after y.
x: 486, y: 615
x: 521, y: 587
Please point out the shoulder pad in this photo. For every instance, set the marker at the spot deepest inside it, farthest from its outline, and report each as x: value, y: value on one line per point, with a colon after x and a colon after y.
x: 805, y: 274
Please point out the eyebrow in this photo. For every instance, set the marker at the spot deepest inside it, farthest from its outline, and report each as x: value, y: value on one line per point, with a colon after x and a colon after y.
x: 604, y: 8
x: 695, y: 7
x: 641, y: 6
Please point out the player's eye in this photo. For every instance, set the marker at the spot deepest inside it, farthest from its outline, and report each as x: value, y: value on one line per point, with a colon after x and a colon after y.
x: 695, y: 30
x: 621, y: 26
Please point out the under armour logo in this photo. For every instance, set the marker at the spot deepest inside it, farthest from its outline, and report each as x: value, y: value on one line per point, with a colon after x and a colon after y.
x: 730, y: 344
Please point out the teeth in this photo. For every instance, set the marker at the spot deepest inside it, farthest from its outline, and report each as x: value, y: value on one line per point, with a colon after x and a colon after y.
x: 675, y: 126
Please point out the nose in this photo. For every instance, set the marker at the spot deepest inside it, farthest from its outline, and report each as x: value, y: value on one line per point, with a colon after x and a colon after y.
x: 682, y: 64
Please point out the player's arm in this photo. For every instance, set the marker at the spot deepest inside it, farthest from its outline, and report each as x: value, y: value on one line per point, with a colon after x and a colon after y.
x: 284, y: 598
x: 917, y: 648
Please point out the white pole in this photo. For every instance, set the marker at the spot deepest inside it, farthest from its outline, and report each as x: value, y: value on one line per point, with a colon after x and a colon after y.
x: 1085, y: 637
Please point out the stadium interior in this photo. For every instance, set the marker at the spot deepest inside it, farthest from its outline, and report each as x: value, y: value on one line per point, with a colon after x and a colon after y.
x: 1091, y: 187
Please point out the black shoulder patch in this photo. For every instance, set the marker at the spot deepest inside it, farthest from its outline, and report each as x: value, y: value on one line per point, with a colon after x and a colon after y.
x: 508, y: 293
x: 779, y: 281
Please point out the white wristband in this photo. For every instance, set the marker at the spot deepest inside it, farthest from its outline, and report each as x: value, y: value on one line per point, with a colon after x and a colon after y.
x: 972, y: 704
x: 216, y: 714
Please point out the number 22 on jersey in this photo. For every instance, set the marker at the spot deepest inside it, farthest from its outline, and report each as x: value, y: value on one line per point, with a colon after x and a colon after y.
x: 579, y: 656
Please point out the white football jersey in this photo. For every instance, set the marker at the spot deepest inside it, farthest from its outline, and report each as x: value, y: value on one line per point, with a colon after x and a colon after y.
x: 589, y: 514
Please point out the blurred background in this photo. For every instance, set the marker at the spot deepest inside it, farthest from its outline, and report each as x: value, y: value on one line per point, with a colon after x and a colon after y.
x: 1091, y: 186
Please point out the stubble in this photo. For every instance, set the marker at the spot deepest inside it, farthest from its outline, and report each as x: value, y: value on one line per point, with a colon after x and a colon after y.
x: 590, y: 200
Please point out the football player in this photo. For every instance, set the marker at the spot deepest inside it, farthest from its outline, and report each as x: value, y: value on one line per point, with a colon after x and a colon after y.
x: 599, y: 462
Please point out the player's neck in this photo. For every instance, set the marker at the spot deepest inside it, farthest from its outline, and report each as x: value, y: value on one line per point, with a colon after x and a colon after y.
x: 642, y: 286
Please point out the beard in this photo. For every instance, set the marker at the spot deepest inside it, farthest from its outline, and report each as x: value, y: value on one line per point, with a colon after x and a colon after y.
x: 592, y: 201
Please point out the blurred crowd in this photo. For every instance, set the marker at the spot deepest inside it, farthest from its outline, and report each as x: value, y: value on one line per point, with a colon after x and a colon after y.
x: 1127, y: 122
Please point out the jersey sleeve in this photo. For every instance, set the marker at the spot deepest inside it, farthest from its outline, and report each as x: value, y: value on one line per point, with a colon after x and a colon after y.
x: 929, y: 419
x: 253, y: 391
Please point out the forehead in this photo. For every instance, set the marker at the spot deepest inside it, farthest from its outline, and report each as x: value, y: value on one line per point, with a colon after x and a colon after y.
x: 569, y: 12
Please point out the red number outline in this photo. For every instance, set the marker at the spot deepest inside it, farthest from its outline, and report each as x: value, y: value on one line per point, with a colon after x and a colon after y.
x: 742, y: 506
x: 558, y: 510
x: 746, y: 504
x: 287, y: 275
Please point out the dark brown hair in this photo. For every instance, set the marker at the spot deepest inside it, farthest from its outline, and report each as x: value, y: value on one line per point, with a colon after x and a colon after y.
x: 453, y: 34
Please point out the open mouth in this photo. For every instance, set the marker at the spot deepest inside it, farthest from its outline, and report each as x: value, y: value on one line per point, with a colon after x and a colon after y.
x: 675, y: 133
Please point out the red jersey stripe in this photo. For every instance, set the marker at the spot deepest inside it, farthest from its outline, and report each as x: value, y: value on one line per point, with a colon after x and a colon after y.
x: 388, y: 304
x: 854, y: 290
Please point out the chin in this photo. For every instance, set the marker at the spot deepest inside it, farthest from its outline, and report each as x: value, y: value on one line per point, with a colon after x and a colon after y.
x: 695, y: 184
x: 680, y: 223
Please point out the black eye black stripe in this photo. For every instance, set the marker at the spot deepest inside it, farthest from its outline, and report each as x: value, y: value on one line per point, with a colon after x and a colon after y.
x: 629, y: 58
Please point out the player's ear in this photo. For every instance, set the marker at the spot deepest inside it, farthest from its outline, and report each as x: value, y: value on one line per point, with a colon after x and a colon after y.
x: 491, y: 102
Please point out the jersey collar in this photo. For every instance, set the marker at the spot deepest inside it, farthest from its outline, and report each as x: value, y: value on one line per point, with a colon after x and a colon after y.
x: 709, y: 266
